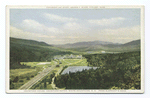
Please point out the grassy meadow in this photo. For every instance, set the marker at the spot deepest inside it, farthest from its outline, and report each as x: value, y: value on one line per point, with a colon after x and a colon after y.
x: 74, y: 62
x: 18, y: 77
x: 45, y: 83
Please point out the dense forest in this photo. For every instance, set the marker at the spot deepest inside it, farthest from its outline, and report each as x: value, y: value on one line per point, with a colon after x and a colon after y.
x: 30, y: 51
x: 116, y: 71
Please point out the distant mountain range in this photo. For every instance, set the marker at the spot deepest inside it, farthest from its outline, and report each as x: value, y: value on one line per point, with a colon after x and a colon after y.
x: 102, y: 45
x: 84, y: 46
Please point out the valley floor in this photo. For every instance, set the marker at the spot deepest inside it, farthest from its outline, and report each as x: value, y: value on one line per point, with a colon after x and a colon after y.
x: 32, y: 78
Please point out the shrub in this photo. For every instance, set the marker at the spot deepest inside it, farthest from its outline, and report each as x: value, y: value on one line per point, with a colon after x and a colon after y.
x: 32, y: 76
x: 28, y: 78
x: 16, y: 79
x: 20, y: 80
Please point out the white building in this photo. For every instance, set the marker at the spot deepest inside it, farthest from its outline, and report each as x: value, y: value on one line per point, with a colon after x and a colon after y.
x: 102, y: 51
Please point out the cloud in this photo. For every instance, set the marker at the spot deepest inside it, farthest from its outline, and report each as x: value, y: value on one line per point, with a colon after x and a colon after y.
x: 121, y: 35
x: 57, y: 18
x: 106, y: 22
x: 134, y: 30
x: 18, y: 33
x: 72, y: 37
x: 36, y: 27
x: 76, y: 31
x: 72, y: 26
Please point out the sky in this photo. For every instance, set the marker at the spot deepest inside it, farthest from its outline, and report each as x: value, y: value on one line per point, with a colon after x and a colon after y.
x: 62, y: 26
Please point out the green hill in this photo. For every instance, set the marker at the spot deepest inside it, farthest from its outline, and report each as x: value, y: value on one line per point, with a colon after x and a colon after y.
x: 22, y: 50
x: 28, y: 42
x: 135, y: 42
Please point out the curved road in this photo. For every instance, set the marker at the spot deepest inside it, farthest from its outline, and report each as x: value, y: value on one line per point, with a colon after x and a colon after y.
x: 53, y: 79
x: 52, y: 83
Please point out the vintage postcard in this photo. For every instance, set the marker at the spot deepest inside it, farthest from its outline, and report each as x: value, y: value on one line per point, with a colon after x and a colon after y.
x: 75, y: 49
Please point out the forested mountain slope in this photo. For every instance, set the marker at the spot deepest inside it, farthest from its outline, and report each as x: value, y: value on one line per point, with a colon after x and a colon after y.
x: 22, y: 50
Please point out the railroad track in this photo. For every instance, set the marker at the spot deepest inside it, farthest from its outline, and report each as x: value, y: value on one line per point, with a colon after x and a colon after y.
x: 38, y: 77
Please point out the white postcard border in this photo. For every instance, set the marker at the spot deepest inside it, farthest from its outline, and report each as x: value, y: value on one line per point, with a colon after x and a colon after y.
x: 74, y: 7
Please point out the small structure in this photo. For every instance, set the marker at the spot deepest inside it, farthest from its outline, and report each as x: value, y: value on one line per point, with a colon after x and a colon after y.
x: 57, y: 66
x: 79, y: 57
x: 102, y: 51
x: 60, y: 62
